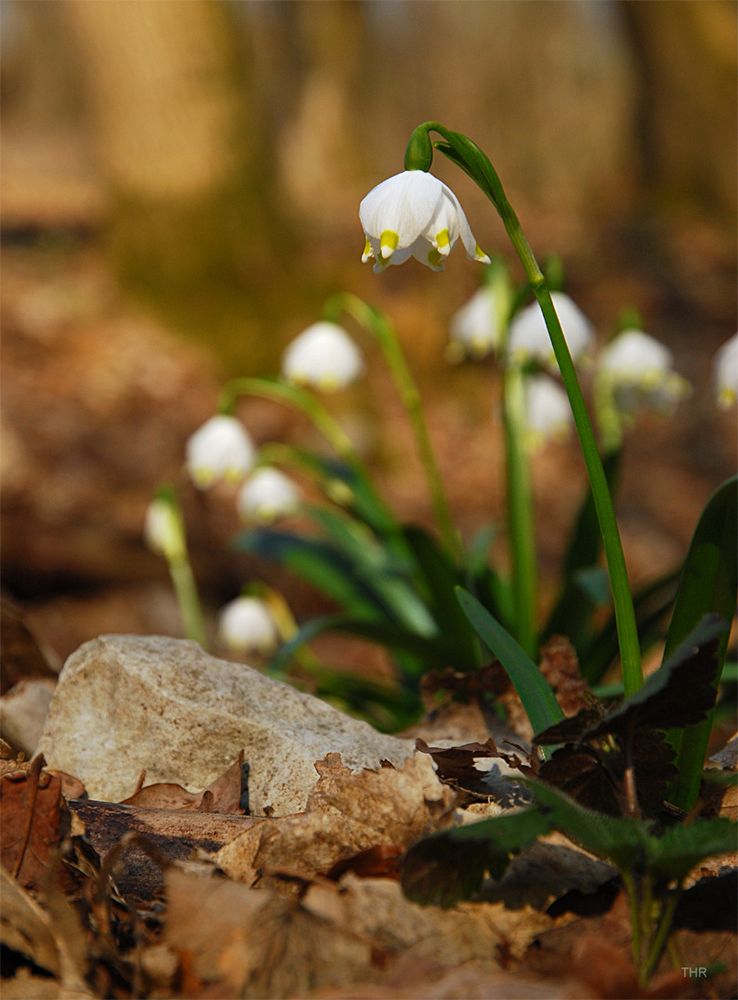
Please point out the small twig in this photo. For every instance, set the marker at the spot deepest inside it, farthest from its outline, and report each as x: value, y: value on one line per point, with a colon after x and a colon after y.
x: 629, y: 783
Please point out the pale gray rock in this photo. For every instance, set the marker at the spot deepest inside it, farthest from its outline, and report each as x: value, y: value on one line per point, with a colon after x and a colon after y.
x: 128, y: 703
x: 23, y: 711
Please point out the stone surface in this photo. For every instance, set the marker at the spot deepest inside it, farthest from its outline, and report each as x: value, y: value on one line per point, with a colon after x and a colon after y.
x: 128, y: 703
x: 23, y: 712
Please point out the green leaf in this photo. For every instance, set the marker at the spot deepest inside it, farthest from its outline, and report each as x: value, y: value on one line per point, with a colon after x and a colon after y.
x: 681, y: 848
x: 681, y: 692
x: 318, y: 563
x: 428, y: 653
x: 377, y: 568
x: 451, y: 865
x: 360, y: 496
x: 709, y: 581
x: 709, y: 584
x: 537, y: 697
x: 624, y: 842
x: 651, y: 604
x: 441, y: 579
x: 572, y: 614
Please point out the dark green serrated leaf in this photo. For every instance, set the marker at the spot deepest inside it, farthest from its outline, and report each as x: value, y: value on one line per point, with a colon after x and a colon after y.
x: 681, y: 848
x: 571, y: 730
x: 681, y: 692
x: 451, y: 865
x: 624, y: 842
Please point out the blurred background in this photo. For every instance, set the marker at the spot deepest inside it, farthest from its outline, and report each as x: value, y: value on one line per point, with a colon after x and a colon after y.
x: 180, y: 184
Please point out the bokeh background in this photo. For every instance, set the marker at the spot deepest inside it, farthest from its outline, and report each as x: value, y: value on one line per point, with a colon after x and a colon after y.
x: 180, y: 182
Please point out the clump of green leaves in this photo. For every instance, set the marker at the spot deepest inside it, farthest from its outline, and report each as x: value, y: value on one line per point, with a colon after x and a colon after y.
x: 603, y: 788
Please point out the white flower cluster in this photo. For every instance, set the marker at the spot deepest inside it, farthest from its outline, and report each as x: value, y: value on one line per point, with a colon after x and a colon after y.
x: 633, y: 371
x: 223, y: 450
x: 639, y: 371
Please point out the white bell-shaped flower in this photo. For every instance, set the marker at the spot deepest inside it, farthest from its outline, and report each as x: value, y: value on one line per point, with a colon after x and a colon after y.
x: 548, y: 414
x: 529, y: 338
x: 639, y: 370
x: 323, y: 356
x: 725, y: 368
x: 267, y: 495
x: 163, y: 529
x: 413, y: 214
x: 246, y: 625
x: 220, y: 449
x: 476, y: 327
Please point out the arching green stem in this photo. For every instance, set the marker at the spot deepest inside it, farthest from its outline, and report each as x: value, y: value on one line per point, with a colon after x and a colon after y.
x: 301, y: 399
x: 376, y: 323
x: 467, y: 155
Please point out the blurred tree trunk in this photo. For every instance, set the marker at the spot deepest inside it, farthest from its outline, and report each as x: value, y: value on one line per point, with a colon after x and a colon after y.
x: 685, y: 56
x: 194, y: 227
x: 320, y: 158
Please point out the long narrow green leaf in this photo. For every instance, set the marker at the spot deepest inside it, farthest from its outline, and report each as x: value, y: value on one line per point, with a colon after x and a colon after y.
x: 319, y: 564
x: 652, y: 603
x: 441, y: 579
x: 429, y: 652
x: 372, y: 565
x: 537, y: 697
x: 709, y: 584
x: 573, y: 611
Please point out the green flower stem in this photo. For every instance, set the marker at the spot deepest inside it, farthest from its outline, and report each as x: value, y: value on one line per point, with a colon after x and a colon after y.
x: 474, y: 162
x: 520, y: 510
x: 659, y: 940
x: 296, y: 396
x: 635, y: 916
x: 380, y: 327
x: 187, y: 598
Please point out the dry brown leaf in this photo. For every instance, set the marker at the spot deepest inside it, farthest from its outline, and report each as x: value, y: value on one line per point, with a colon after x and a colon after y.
x: 222, y: 796
x: 462, y: 723
x: 26, y: 928
x: 347, y: 813
x: 378, y: 909
x: 560, y: 666
x: 33, y: 821
x: 422, y: 980
x: 256, y: 943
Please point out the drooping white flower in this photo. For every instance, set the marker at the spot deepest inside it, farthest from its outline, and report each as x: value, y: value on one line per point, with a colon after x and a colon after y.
x: 220, y: 449
x: 725, y: 368
x: 323, y: 356
x: 413, y: 214
x: 267, y: 495
x: 529, y: 339
x: 476, y: 327
x: 163, y: 529
x: 547, y: 411
x: 639, y: 371
x: 246, y: 625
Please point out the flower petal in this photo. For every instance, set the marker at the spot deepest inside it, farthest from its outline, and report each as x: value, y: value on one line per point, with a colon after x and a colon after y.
x: 403, y: 204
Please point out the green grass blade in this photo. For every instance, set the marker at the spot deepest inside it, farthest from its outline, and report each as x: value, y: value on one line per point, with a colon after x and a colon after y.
x: 537, y: 697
